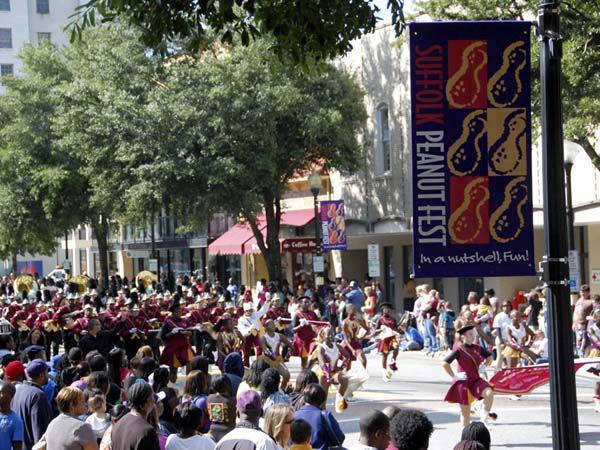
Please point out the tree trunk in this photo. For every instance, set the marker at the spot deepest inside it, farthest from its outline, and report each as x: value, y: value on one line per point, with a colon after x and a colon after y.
x: 270, y: 248
x: 101, y: 231
x: 15, y: 265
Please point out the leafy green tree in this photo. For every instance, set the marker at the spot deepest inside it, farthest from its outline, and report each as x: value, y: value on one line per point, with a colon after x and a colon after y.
x: 35, y: 181
x: 100, y: 123
x: 581, y: 59
x: 302, y: 29
x: 231, y: 129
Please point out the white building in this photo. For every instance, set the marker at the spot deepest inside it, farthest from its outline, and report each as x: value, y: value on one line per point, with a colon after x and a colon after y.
x: 31, y: 22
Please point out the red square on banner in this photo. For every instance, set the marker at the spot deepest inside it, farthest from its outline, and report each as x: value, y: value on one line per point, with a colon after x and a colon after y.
x: 467, y: 74
x: 469, y: 210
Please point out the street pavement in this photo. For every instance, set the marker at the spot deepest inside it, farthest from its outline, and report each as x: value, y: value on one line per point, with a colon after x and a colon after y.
x: 421, y: 383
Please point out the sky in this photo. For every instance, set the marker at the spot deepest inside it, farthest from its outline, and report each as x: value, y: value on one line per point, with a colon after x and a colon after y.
x: 385, y: 14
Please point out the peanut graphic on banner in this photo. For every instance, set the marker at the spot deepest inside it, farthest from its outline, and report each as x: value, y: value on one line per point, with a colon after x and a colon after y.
x: 507, y: 222
x: 467, y: 221
x: 465, y: 155
x: 505, y: 86
x: 463, y: 88
x: 507, y: 133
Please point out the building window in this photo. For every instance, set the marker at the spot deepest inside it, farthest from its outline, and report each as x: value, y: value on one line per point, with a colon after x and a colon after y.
x: 43, y: 6
x: 4, y: 5
x: 6, y: 69
x: 82, y: 235
x: 83, y: 261
x: 385, y: 157
x: 5, y: 38
x: 44, y: 37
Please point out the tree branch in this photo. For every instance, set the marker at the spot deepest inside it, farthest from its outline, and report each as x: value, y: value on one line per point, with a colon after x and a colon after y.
x: 589, y: 150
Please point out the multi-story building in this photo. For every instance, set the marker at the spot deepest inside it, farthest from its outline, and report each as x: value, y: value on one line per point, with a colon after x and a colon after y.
x: 31, y: 22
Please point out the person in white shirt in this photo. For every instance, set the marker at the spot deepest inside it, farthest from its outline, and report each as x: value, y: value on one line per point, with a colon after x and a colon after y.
x: 187, y: 420
x: 249, y: 327
x: 98, y: 420
x: 501, y: 321
x: 374, y: 431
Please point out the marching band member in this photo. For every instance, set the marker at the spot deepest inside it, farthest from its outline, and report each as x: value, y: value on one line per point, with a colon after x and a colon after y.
x: 177, y: 352
x: 467, y: 384
x: 80, y: 324
x: 305, y: 335
x: 130, y: 333
x: 272, y: 343
x: 229, y: 340
x: 352, y: 325
x: 203, y: 339
x: 330, y: 370
x: 249, y: 326
x: 63, y: 317
x: 386, y: 323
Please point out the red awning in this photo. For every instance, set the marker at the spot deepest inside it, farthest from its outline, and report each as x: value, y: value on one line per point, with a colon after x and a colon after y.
x: 240, y: 239
x: 232, y: 241
x: 297, y: 217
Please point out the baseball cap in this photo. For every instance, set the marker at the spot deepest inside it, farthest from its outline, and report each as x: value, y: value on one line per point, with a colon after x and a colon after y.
x: 14, y: 369
x: 36, y: 367
x: 33, y: 349
x: 249, y: 403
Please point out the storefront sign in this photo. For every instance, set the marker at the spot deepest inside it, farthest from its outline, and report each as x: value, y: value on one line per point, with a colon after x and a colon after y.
x: 595, y: 276
x: 574, y: 272
x: 299, y: 245
x: 333, y: 222
x: 318, y: 264
x: 373, y: 260
x: 471, y: 148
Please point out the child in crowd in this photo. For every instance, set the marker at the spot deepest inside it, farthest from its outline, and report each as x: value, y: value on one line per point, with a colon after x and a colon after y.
x: 300, y: 435
x: 98, y: 419
x: 447, y: 316
x: 11, y: 425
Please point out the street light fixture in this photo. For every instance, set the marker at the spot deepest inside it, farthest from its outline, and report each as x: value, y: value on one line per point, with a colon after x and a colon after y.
x: 314, y: 180
x: 571, y: 150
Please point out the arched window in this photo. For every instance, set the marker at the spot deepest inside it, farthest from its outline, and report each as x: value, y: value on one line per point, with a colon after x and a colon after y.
x: 384, y: 144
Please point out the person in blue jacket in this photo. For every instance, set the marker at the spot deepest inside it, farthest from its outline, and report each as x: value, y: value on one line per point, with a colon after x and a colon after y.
x: 326, y: 431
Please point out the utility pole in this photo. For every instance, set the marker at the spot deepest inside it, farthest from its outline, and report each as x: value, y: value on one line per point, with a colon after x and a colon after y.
x: 563, y: 396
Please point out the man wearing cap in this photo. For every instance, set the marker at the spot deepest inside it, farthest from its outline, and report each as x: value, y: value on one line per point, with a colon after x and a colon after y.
x: 247, y: 435
x: 249, y: 326
x: 30, y: 403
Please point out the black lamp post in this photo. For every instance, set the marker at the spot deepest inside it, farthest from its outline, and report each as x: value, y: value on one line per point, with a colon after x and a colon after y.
x: 563, y: 396
x: 314, y: 180
x: 571, y: 152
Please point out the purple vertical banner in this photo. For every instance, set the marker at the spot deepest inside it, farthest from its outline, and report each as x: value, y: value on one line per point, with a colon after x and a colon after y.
x: 333, y: 224
x: 30, y: 267
x: 471, y: 149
